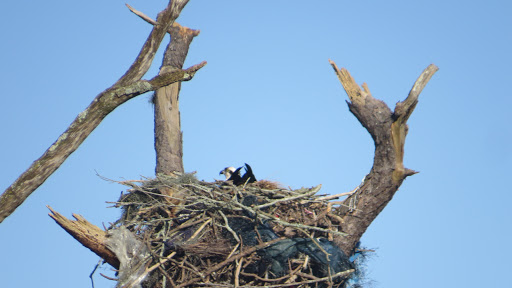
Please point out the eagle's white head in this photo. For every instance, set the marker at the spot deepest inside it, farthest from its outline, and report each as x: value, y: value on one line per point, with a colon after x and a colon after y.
x: 228, y: 171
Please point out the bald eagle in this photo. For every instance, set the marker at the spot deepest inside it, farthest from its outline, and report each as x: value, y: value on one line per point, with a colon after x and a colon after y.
x: 233, y: 174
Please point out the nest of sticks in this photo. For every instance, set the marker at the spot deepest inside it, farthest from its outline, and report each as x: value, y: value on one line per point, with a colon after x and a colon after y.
x: 213, y: 234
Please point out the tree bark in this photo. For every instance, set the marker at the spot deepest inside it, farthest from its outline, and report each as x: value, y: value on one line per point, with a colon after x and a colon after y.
x: 127, y: 87
x: 164, y: 19
x: 388, y: 130
x: 168, y: 135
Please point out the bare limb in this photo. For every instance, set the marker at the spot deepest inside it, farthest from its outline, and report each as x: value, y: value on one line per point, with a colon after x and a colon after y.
x: 126, y: 88
x: 404, y: 108
x: 141, y: 15
x: 78, y: 131
x: 402, y: 112
x: 148, y: 51
x: 153, y: 22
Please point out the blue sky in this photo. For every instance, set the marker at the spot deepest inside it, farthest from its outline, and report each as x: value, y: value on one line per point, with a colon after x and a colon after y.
x: 269, y: 97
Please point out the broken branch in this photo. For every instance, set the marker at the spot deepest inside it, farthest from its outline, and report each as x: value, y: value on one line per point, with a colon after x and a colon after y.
x: 87, y: 234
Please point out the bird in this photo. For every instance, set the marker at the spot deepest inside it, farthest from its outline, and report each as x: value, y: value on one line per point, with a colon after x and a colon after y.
x: 233, y: 174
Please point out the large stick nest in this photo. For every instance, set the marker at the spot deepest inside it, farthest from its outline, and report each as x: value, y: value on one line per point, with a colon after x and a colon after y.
x: 220, y: 235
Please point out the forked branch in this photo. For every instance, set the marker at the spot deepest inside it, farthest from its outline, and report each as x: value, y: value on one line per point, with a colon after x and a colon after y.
x: 388, y: 131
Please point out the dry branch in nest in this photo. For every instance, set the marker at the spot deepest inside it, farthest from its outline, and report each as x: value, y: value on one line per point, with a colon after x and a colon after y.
x: 194, y: 233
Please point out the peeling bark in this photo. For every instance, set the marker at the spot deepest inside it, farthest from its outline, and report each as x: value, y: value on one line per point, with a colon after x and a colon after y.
x: 168, y: 135
x: 388, y: 130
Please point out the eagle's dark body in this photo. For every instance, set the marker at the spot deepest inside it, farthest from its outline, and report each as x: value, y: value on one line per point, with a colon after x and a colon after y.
x: 235, y: 175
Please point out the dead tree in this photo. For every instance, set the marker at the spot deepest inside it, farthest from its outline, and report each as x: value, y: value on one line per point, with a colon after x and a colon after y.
x: 128, y: 86
x: 353, y: 215
x: 168, y: 135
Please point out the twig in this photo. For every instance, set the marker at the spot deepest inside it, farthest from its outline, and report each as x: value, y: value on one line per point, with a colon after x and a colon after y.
x: 306, y: 275
x: 339, y: 274
x: 141, y: 15
x: 274, y: 279
x: 153, y: 22
x: 237, y: 271
x: 284, y: 223
x: 327, y: 198
x: 228, y: 227
x: 188, y: 224
x: 311, y: 192
x: 109, y: 278
x: 200, y: 229
x: 319, y: 246
x: 148, y: 270
x: 233, y: 258
x: 167, y: 276
x: 233, y: 251
x: 306, y: 262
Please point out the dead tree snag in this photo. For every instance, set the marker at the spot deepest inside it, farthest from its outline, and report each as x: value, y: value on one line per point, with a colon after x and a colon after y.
x: 168, y: 135
x: 296, y: 216
x: 388, y: 130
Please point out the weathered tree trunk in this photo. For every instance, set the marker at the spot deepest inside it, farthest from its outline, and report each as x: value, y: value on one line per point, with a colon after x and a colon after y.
x: 388, y: 130
x: 168, y: 135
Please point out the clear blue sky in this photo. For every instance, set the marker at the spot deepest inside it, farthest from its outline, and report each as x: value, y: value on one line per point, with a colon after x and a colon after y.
x: 269, y: 97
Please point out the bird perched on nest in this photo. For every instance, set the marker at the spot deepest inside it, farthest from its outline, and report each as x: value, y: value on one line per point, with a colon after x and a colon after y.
x: 233, y: 174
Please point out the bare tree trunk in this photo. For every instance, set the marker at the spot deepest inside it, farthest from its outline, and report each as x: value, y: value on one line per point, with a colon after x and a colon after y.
x: 168, y: 135
x: 388, y: 130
